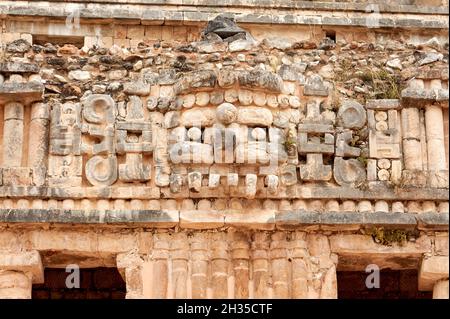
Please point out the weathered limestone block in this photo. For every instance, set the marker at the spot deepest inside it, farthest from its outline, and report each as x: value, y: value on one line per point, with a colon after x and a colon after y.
x: 315, y: 86
x: 179, y: 251
x: 160, y: 268
x: 272, y: 182
x: 202, y: 98
x: 17, y: 176
x: 412, y: 154
x: 294, y: 102
x: 290, y: 72
x: 25, y: 92
x: 312, y: 144
x: 79, y: 75
x: 65, y: 170
x: 136, y: 274
x: 254, y: 116
x: 101, y: 171
x: 191, y: 152
x: 15, y: 285
x: 199, y: 262
x: 288, y: 175
x: 210, y: 47
x: 437, y: 162
x: 259, y: 98
x: 99, y: 109
x: 349, y: 172
x: 262, y: 79
x: 299, y: 266
x: 38, y: 142
x: 351, y: 115
x: 133, y: 169
x: 199, y: 117
x: 384, y: 140
x: 283, y: 101
x: 226, y: 78
x: 432, y: 270
x: 201, y: 219
x: 133, y: 137
x: 280, y: 43
x: 240, y: 256
x: 219, y: 265
x: 195, y: 181
x: 260, y: 263
x: 18, y: 271
x: 253, y: 219
x: 175, y: 183
x: 280, y: 265
x: 314, y: 169
x: 226, y: 113
x: 253, y: 152
x: 250, y: 185
x: 188, y: 101
x: 216, y: 97
x: 343, y: 148
x: 329, y: 284
x: 440, y: 290
x: 136, y: 88
x: 13, y: 138
x: 245, y: 97
x: 18, y: 67
x: 65, y: 134
x: 196, y: 79
x: 232, y: 179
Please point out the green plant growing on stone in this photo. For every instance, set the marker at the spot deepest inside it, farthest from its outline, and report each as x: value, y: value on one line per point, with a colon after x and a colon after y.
x: 362, y: 159
x: 385, y: 85
x: 290, y: 143
x: 388, y: 237
x: 346, y: 72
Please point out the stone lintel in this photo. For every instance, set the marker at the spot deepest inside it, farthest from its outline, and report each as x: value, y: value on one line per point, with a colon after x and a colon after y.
x: 363, y: 244
x: 27, y: 262
x: 421, y: 98
x: 21, y: 92
x: 261, y: 219
x: 294, y: 219
x: 151, y: 218
x: 384, y: 104
x: 18, y: 67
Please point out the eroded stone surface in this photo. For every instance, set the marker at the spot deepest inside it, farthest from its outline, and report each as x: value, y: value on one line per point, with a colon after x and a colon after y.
x: 229, y: 163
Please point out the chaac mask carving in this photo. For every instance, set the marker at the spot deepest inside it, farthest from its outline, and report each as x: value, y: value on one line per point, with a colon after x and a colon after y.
x: 203, y: 120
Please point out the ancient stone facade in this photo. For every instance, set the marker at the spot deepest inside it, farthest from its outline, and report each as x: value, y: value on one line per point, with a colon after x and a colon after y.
x: 241, y: 155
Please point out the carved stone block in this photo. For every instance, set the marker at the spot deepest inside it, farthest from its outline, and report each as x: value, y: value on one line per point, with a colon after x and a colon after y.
x: 384, y: 136
x: 314, y: 170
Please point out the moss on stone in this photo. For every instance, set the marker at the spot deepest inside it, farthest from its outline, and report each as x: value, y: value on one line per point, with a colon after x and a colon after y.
x: 388, y: 237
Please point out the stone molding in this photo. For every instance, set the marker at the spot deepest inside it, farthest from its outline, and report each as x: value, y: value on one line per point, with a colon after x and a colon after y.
x: 197, y: 219
x: 300, y: 14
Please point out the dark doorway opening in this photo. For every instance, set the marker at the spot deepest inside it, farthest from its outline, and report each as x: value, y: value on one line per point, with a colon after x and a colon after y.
x: 95, y: 283
x: 394, y: 284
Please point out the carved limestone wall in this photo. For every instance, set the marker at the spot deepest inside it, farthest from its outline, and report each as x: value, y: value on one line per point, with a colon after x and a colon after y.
x: 222, y: 164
